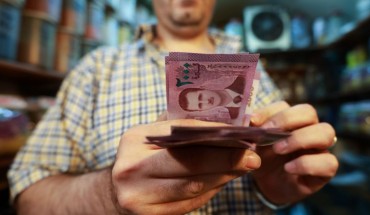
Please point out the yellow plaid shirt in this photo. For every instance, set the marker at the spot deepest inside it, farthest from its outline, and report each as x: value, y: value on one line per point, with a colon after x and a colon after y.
x: 111, y: 90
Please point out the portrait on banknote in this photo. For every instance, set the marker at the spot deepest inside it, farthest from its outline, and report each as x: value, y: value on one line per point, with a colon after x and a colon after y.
x: 227, y: 100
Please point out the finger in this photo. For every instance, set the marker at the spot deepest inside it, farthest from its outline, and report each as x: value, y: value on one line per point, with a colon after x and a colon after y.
x: 321, y: 165
x: 156, y: 201
x: 293, y: 118
x: 319, y: 136
x: 312, y: 183
x: 184, y: 206
x: 162, y: 117
x: 191, y: 161
x: 190, y: 204
x: 262, y: 115
x: 176, y: 189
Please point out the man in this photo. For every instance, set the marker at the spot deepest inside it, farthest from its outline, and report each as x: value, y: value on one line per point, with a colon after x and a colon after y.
x: 196, y: 99
x: 71, y: 164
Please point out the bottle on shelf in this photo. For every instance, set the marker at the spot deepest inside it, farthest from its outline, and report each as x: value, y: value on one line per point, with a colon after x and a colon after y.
x: 10, y: 13
x: 69, y: 35
x: 301, y: 37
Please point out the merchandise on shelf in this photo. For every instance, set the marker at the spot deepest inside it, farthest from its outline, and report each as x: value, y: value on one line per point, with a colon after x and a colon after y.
x: 73, y: 16
x: 347, y: 120
x: 364, y: 117
x: 366, y: 75
x: 291, y: 85
x: 111, y: 31
x: 67, y: 50
x: 234, y: 28
x: 38, y: 106
x: 17, y: 3
x: 127, y: 11
x: 334, y: 26
x: 351, y: 79
x: 357, y: 72
x: 355, y: 117
x: 318, y: 30
x: 285, y: 88
x: 363, y: 9
x: 12, y: 124
x: 9, y: 30
x: 301, y: 37
x: 37, y: 41
x: 88, y: 46
x: 125, y: 33
x: 356, y: 57
x: 13, y: 102
x: 44, y: 9
x: 94, y: 20
x: 314, y: 79
x: 41, y: 103
x: 115, y: 4
x: 142, y: 15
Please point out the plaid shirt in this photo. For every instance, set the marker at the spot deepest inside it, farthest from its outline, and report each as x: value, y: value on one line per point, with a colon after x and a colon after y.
x: 110, y: 91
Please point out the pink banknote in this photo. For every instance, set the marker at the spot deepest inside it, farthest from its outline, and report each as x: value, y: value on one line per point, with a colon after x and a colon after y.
x: 226, y: 136
x: 211, y: 87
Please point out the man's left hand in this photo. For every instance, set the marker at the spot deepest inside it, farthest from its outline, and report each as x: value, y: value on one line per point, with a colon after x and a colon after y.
x: 296, y: 167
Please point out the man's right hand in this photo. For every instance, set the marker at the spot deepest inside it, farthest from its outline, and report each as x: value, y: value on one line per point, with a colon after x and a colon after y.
x: 152, y: 180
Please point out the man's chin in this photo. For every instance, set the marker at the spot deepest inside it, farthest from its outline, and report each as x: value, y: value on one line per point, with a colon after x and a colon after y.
x: 187, y: 30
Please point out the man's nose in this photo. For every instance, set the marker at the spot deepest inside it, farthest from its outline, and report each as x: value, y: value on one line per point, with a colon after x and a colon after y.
x: 204, y: 101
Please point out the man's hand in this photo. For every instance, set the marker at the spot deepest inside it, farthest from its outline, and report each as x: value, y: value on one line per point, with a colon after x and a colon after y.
x: 300, y: 165
x: 152, y: 180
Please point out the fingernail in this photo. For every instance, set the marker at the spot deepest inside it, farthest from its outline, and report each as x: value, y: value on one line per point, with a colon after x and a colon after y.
x: 290, y: 167
x: 269, y: 124
x: 255, y: 119
x: 253, y: 162
x: 281, y: 147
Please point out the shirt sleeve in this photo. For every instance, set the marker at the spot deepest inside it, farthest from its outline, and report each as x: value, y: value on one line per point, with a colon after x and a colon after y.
x: 57, y: 144
x: 268, y: 92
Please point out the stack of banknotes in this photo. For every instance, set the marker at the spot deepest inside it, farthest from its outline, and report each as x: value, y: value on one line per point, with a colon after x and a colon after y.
x: 217, y: 88
x: 222, y: 136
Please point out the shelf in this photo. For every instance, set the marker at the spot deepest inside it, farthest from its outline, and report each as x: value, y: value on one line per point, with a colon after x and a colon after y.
x: 30, y: 80
x: 24, y: 71
x: 339, y: 98
x: 294, y: 68
x: 109, y: 8
x: 11, y: 146
x: 359, y: 33
x: 292, y: 52
x: 358, y: 137
x: 3, y: 185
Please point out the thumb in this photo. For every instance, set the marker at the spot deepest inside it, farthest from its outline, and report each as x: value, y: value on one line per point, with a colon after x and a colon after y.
x: 162, y: 117
x: 253, y: 160
x: 261, y: 116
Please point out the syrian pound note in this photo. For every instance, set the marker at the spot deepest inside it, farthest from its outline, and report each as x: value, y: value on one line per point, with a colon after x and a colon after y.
x: 252, y: 98
x: 210, y: 87
x: 225, y: 136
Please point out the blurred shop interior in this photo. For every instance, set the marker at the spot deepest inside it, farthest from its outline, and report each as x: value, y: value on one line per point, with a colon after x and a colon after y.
x: 316, y: 51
